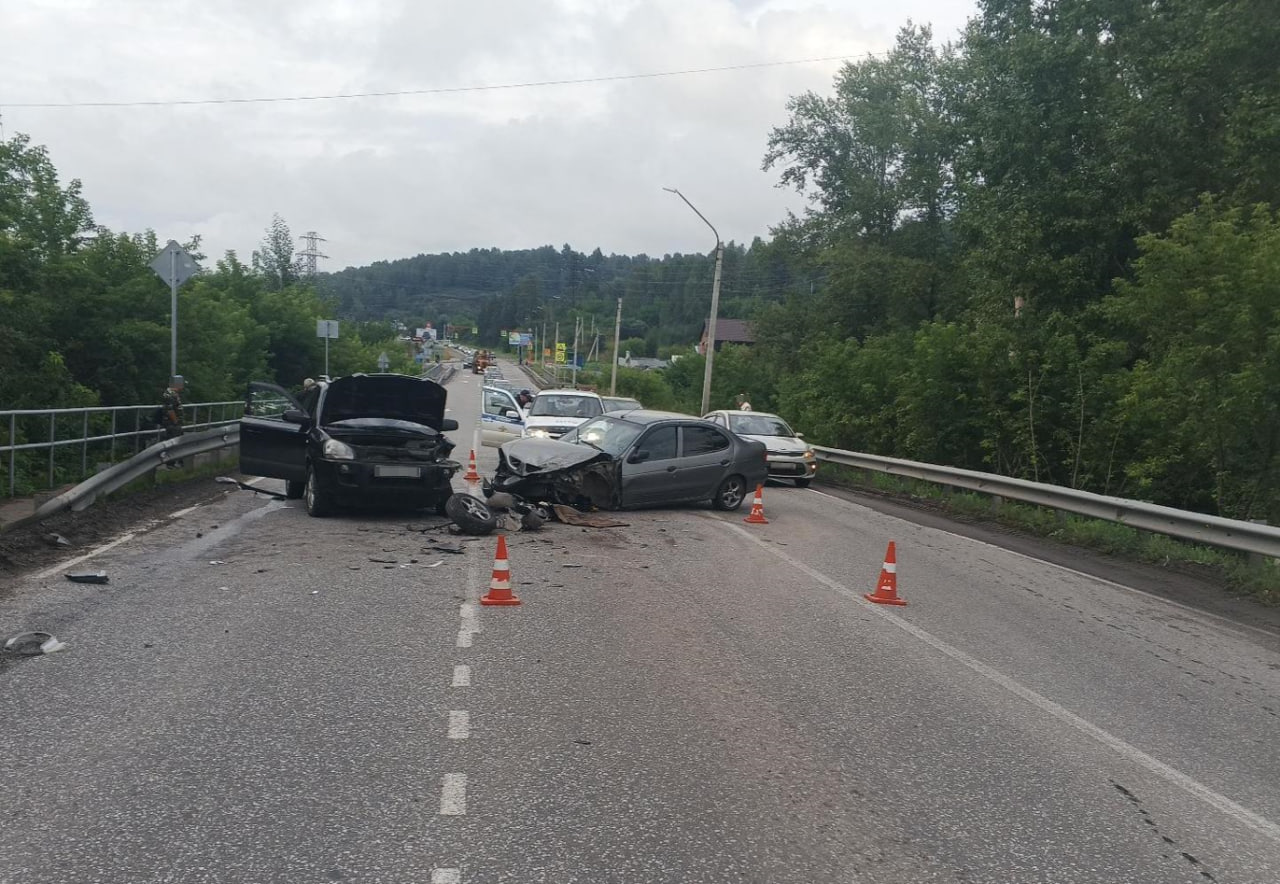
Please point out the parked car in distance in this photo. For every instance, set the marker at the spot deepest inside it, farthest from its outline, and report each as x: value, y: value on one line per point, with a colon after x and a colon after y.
x: 363, y: 439
x: 634, y: 459
x: 555, y: 412
x: 620, y: 403
x: 790, y: 457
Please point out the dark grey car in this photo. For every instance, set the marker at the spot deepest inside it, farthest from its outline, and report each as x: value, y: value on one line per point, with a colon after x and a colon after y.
x: 634, y: 459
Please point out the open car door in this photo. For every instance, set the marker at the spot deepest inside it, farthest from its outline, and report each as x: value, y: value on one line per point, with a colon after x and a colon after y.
x: 273, y: 434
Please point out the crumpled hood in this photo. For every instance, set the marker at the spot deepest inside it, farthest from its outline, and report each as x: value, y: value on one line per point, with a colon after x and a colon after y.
x: 783, y: 444
x: 395, y: 397
x: 533, y: 455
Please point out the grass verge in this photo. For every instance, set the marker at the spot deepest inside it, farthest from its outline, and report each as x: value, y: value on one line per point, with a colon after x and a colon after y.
x: 1259, y: 580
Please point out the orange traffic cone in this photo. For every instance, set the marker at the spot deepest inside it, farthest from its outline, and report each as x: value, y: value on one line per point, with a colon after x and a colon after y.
x: 472, y: 475
x: 757, y: 509
x: 887, y: 586
x: 500, y: 584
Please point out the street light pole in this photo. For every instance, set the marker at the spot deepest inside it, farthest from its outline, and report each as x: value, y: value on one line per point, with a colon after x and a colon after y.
x: 617, y: 332
x: 715, y: 303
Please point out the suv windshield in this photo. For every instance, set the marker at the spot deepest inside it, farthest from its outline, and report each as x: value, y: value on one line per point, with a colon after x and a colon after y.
x: 759, y: 425
x: 565, y: 405
x: 608, y: 434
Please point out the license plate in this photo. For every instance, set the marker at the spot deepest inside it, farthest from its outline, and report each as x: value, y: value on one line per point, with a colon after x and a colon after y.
x: 392, y: 472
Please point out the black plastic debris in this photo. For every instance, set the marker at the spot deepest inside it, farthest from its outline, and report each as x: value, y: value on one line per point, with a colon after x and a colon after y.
x: 56, y: 540
x: 88, y: 577
x: 228, y: 480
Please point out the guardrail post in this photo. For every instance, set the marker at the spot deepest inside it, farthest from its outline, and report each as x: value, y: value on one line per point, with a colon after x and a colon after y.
x: 113, y: 435
x: 1257, y: 559
x: 13, y: 452
x: 53, y: 432
x: 84, y: 446
x: 137, y: 419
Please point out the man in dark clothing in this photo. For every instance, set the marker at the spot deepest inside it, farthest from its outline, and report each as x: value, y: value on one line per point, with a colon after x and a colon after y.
x: 171, y: 408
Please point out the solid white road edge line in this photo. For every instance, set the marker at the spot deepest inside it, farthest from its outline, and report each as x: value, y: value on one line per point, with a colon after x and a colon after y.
x: 49, y: 572
x: 461, y: 676
x: 1227, y: 621
x: 453, y: 794
x: 459, y: 725
x: 1238, y: 812
x: 180, y: 513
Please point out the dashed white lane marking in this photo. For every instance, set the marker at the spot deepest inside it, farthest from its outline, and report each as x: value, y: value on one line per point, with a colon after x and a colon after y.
x: 464, y: 638
x: 180, y: 513
x: 470, y: 621
x: 1238, y: 812
x: 453, y: 795
x: 49, y: 572
x: 462, y: 676
x: 446, y: 876
x: 1142, y: 592
x: 459, y: 725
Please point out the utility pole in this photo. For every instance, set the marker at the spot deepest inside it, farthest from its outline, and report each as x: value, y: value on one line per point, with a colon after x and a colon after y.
x: 715, y: 303
x: 577, y: 322
x: 617, y: 334
x: 311, y: 253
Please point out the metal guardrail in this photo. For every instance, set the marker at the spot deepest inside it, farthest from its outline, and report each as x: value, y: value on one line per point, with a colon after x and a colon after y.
x: 1198, y: 527
x: 96, y: 425
x: 115, y: 477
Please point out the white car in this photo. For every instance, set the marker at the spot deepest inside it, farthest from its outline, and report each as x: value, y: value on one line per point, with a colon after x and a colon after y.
x: 501, y: 417
x: 789, y: 456
x: 555, y: 412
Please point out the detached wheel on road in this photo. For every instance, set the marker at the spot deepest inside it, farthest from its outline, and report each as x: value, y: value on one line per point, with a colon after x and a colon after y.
x: 294, y: 489
x: 318, y: 498
x: 470, y: 514
x: 803, y: 483
x: 731, y: 493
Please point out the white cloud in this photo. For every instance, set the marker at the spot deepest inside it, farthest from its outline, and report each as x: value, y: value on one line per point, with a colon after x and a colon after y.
x: 388, y: 177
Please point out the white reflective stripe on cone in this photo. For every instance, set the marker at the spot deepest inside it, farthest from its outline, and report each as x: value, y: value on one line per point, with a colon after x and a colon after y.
x: 891, y: 567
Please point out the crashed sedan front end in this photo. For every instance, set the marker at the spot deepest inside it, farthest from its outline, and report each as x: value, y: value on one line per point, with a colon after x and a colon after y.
x: 548, y: 470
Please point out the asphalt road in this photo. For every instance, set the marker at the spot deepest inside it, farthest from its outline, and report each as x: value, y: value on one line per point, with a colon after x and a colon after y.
x: 688, y: 699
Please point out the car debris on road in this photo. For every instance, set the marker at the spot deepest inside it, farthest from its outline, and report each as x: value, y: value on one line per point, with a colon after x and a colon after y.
x: 88, y: 577
x: 33, y: 644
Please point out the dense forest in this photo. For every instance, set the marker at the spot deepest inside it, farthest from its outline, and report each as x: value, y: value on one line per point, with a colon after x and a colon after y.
x: 1050, y: 249
x: 493, y: 290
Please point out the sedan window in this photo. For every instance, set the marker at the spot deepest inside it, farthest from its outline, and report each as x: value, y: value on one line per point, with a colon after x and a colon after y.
x: 703, y: 440
x: 760, y: 425
x: 660, y: 443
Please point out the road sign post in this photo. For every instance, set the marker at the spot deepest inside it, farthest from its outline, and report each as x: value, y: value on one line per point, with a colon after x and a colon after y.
x: 175, y: 266
x: 326, y: 328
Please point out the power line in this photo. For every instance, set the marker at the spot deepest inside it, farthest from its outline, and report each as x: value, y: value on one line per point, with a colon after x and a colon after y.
x: 441, y: 90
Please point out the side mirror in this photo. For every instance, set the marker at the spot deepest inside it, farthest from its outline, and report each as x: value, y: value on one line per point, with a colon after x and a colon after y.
x: 511, y: 412
x: 448, y: 425
x: 296, y: 416
x: 638, y: 456
x: 799, y: 435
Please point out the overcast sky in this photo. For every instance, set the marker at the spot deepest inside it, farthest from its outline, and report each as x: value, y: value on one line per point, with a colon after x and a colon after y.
x: 385, y: 178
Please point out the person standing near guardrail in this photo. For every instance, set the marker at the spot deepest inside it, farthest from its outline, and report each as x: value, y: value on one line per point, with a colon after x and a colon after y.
x: 171, y: 408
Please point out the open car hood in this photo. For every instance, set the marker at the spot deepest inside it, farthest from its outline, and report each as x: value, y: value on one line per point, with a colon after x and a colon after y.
x: 395, y: 397
x: 532, y: 456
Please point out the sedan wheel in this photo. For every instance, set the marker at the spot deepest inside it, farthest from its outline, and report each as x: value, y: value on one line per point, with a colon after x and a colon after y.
x: 803, y: 483
x: 731, y: 493
x: 293, y: 490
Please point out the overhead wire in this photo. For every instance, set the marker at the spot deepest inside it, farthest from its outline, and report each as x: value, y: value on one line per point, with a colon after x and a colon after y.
x: 434, y: 90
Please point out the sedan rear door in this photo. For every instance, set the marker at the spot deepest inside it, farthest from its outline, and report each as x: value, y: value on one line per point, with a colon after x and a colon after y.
x: 270, y: 445
x: 706, y: 456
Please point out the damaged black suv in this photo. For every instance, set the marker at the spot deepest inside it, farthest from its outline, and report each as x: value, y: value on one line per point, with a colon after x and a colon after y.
x: 364, y: 439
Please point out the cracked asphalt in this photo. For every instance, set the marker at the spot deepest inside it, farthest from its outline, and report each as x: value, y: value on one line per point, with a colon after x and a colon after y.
x: 687, y: 699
